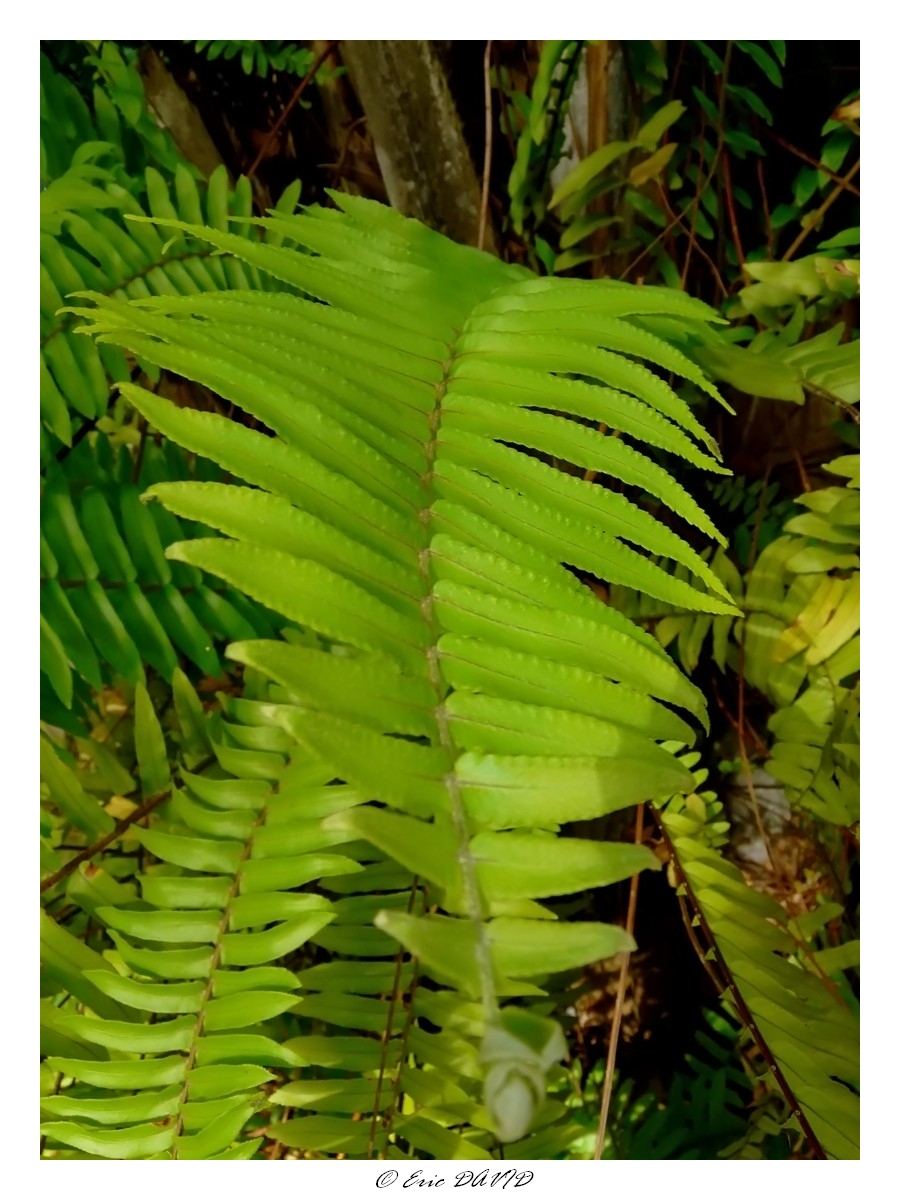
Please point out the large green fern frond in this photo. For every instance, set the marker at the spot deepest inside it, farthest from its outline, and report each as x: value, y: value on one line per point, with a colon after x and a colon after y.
x: 427, y: 483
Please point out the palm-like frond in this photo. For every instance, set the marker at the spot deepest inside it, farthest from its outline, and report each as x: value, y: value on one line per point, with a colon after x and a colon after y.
x: 807, y: 1030
x: 214, y: 911
x: 86, y: 242
x: 411, y: 512
x: 111, y: 601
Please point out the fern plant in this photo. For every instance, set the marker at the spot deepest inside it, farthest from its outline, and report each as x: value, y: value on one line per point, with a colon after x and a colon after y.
x: 407, y: 508
x: 111, y: 604
x: 85, y: 242
x: 798, y: 643
x: 803, y: 646
x: 537, y: 124
x: 261, y: 58
x: 698, y: 1115
x: 784, y: 992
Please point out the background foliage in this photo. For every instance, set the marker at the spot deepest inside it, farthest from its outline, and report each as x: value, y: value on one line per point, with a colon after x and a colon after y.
x: 243, y: 955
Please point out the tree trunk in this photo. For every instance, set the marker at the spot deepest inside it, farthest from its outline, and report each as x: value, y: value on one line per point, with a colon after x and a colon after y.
x: 170, y: 103
x: 425, y: 162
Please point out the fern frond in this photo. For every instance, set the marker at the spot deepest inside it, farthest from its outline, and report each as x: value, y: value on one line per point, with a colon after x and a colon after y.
x: 412, y: 514
x: 704, y: 1108
x: 89, y: 241
x: 806, y: 1030
x: 775, y: 365
x: 109, y: 595
x: 216, y: 909
x: 803, y: 641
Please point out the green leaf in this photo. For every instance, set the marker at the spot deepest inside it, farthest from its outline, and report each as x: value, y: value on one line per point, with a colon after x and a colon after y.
x: 77, y: 968
x: 651, y: 131
x: 513, y: 865
x: 54, y: 663
x: 197, y: 854
x: 588, y: 169
x: 69, y: 796
x: 651, y: 167
x: 207, y: 1083
x: 503, y: 792
x: 153, y: 759
x: 139, y: 1141
x: 763, y: 60
x: 219, y: 1133
x: 147, y: 1106
x: 124, y: 1074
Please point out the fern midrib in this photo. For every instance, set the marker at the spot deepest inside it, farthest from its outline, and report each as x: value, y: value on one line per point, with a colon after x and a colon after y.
x: 111, y: 585
x: 69, y: 321
x: 215, y: 959
x: 470, y: 889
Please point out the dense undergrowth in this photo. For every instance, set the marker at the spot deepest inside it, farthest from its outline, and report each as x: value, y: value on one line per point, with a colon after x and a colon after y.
x: 449, y: 660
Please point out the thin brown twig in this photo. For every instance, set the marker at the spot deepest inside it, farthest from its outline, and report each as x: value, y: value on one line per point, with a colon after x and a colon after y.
x: 720, y: 144
x: 142, y: 445
x: 386, y: 1033
x: 732, y: 719
x: 732, y: 214
x: 68, y: 868
x: 717, y: 981
x: 700, y: 192
x: 488, y: 147
x: 811, y: 222
x: 620, y: 999
x: 704, y: 254
x: 139, y: 813
x: 808, y: 158
x: 764, y: 196
x: 397, y: 1097
x: 291, y: 104
x: 801, y: 469
x: 337, y: 167
x: 844, y: 405
x: 682, y: 46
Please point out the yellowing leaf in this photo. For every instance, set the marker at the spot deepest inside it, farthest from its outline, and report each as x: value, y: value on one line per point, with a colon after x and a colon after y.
x: 652, y: 167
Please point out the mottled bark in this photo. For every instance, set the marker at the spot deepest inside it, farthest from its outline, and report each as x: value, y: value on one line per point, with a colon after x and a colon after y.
x: 177, y: 114
x: 355, y: 168
x: 424, y: 159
